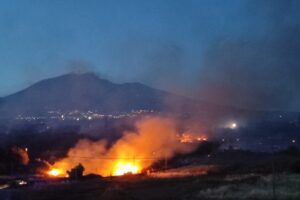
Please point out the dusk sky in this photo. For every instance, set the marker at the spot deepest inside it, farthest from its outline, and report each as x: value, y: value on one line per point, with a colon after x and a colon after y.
x: 233, y: 52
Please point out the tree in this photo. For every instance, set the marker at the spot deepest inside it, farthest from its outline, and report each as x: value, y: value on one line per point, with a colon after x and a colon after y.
x: 76, y: 172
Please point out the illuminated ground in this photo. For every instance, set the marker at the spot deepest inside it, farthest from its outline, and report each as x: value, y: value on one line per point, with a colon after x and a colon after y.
x: 141, y: 187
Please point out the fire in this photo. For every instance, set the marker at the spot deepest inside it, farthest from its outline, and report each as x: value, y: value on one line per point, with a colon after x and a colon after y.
x: 122, y: 168
x: 191, y: 138
x: 55, y: 172
x: 155, y: 139
x: 186, y: 138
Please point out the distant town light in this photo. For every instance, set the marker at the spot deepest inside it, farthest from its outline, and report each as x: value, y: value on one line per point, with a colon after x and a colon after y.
x: 293, y: 141
x: 22, y: 182
x: 233, y: 126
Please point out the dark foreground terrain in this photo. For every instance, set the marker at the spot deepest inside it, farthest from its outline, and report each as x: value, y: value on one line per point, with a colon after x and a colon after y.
x: 283, y: 186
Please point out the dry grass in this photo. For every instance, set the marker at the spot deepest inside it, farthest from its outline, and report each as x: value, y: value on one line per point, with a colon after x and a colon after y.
x: 183, y: 188
x: 266, y: 187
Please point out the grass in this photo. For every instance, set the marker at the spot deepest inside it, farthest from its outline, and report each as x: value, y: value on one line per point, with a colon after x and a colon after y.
x: 287, y: 186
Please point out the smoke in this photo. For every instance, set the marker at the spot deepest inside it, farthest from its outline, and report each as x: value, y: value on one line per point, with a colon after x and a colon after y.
x: 160, y: 60
x: 256, y: 71
x: 80, y: 67
x: 154, y: 62
x: 255, y: 68
x: 22, y: 155
x: 155, y: 139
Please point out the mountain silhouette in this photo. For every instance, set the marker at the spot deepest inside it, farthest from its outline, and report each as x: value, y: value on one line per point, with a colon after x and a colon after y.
x: 88, y: 92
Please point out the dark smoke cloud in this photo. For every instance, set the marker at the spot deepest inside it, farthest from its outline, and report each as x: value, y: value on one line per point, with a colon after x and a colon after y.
x: 152, y: 61
x: 80, y: 67
x: 83, y: 67
x: 255, y: 69
x: 160, y: 60
x: 257, y: 72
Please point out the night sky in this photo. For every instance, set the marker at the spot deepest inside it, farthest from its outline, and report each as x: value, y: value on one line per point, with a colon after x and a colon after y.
x: 233, y: 52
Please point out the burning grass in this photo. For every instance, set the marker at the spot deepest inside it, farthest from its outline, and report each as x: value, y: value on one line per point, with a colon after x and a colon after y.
x: 156, y: 138
x: 56, y: 172
x: 123, y: 167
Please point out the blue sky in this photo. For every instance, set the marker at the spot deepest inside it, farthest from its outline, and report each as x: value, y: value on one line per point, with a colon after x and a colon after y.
x: 162, y: 43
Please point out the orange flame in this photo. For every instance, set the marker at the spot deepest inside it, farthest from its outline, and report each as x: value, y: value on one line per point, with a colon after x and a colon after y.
x: 191, y: 138
x: 122, y: 168
x: 56, y: 172
x: 155, y: 139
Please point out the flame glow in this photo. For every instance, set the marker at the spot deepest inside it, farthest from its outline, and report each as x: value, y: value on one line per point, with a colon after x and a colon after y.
x: 191, y: 138
x: 122, y: 168
x: 55, y: 172
x: 155, y: 138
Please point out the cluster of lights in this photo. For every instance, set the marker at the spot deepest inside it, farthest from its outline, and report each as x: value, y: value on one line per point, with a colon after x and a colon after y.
x: 190, y: 138
x: 77, y: 115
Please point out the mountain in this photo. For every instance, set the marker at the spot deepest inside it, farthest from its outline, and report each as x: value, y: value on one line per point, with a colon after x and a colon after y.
x: 87, y: 92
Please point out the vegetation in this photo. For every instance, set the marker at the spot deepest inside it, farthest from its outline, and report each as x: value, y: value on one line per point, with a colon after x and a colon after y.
x: 280, y: 187
x: 77, y: 172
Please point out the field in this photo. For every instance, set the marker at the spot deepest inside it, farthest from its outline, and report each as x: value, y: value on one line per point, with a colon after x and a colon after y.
x: 281, y: 186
